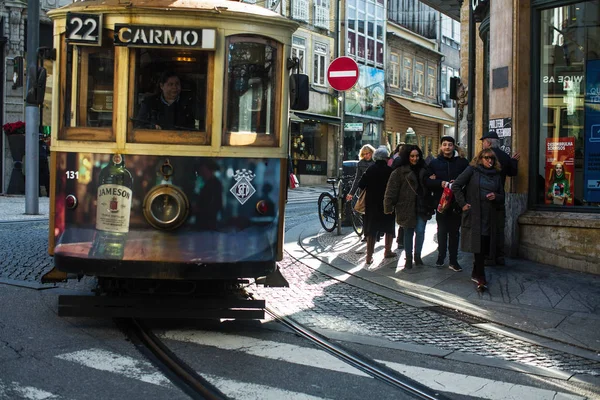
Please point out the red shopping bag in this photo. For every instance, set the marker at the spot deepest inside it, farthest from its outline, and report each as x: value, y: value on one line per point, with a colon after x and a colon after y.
x: 294, y: 182
x: 445, y: 200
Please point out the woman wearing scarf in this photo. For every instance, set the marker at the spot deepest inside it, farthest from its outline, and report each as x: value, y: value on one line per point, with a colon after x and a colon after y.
x: 406, y: 194
x: 375, y: 222
x: 480, y: 193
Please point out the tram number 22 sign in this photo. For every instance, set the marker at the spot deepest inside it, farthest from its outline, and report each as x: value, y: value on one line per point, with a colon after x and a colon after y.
x: 84, y: 29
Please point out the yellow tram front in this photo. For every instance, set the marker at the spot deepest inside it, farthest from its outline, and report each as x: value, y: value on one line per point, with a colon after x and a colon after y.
x: 169, y: 139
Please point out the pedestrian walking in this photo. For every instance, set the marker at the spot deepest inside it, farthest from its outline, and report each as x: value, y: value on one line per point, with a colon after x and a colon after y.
x: 407, y: 195
x: 395, y: 154
x: 375, y: 222
x: 480, y: 193
x: 442, y: 172
x: 509, y: 167
x: 365, y: 160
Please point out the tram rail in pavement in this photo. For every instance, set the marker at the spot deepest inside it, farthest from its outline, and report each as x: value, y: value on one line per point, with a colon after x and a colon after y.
x: 540, y: 304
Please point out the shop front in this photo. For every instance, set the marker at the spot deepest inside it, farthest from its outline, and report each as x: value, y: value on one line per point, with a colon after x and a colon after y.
x: 415, y: 122
x: 565, y: 170
x: 311, y: 147
x: 543, y: 94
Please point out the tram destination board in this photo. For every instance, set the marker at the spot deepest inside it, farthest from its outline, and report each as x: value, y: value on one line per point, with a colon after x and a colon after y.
x: 84, y: 29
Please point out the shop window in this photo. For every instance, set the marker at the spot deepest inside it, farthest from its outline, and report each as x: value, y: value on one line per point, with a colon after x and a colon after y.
x: 309, y: 148
x: 251, y: 92
x: 568, y: 165
x: 169, y: 96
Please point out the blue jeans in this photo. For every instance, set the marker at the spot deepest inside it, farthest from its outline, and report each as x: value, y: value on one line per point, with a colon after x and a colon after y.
x: 419, y: 239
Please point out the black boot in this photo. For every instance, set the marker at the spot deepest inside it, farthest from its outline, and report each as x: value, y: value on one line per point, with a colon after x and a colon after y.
x: 418, y: 260
x: 409, y: 262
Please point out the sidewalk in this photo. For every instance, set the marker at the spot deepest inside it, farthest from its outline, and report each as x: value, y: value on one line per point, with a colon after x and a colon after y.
x: 12, y: 208
x: 541, y: 304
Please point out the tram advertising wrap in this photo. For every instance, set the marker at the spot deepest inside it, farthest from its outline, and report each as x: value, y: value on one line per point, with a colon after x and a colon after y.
x: 166, y: 209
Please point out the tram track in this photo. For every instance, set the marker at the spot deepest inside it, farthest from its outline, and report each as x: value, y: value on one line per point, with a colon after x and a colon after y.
x: 178, y: 372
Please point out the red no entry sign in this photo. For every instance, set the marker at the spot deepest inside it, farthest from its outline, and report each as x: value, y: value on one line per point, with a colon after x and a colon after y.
x: 342, y: 73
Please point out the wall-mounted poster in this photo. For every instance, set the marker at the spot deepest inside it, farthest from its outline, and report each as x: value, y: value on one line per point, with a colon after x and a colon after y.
x: 560, y: 170
x: 503, y: 128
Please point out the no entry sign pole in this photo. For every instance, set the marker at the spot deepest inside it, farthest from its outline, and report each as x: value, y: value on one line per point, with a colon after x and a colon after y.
x: 342, y: 75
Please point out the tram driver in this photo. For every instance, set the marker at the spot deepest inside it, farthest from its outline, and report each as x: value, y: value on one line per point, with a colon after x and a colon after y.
x: 167, y: 109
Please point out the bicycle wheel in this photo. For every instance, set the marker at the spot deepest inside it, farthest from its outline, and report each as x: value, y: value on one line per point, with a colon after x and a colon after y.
x: 357, y: 218
x: 327, y: 212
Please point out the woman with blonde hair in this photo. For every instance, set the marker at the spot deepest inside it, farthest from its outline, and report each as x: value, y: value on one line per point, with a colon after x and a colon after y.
x: 480, y: 194
x: 365, y: 160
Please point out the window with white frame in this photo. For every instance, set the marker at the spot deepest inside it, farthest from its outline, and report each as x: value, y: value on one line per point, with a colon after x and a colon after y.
x: 407, y: 73
x: 319, y: 65
x: 431, y: 81
x: 394, y: 70
x: 299, y: 52
x: 419, y: 78
x: 322, y: 14
x: 300, y: 10
x: 444, y: 81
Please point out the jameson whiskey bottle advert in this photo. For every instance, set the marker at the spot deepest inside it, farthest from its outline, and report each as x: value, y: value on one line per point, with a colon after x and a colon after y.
x: 113, y: 210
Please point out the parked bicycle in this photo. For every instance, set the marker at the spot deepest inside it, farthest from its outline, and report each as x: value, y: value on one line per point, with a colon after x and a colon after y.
x: 328, y: 208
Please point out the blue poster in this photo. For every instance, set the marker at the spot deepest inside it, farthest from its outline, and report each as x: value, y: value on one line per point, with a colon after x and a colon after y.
x: 591, y: 165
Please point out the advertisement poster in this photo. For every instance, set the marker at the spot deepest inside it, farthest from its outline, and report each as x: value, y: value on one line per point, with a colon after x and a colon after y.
x: 366, y: 98
x: 591, y: 163
x: 503, y: 128
x: 560, y: 171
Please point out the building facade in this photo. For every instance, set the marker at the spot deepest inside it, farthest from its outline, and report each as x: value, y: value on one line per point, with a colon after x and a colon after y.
x: 535, y: 75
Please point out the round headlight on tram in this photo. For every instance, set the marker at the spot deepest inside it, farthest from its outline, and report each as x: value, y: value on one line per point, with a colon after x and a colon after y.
x: 166, y: 207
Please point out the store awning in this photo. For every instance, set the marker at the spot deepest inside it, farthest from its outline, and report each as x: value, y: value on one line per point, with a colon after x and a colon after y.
x: 425, y: 111
x: 310, y: 117
x: 449, y: 7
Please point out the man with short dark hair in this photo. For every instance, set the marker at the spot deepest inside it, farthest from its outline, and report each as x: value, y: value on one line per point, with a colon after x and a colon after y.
x: 442, y: 171
x: 509, y: 167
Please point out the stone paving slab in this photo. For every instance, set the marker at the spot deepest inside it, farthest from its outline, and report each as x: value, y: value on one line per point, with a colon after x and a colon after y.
x: 12, y: 208
x: 555, y: 303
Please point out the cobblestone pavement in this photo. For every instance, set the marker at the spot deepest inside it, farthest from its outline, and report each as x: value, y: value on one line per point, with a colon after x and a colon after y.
x: 319, y: 301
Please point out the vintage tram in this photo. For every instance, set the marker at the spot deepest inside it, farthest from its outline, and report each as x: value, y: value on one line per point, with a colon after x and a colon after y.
x: 169, y: 147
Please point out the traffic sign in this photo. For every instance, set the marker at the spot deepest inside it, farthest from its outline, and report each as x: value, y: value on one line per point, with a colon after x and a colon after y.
x: 342, y: 73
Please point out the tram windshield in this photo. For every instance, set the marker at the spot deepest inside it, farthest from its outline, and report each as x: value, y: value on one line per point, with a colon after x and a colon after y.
x: 170, y: 89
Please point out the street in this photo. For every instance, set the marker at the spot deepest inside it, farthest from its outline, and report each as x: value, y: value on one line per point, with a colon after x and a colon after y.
x: 44, y: 356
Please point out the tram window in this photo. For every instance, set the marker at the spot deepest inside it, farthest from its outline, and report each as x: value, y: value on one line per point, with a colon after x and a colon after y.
x: 95, y: 83
x: 252, y: 92
x: 170, y: 93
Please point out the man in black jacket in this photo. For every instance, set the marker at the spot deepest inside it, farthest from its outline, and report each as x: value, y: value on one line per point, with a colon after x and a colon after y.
x: 443, y: 170
x: 509, y: 168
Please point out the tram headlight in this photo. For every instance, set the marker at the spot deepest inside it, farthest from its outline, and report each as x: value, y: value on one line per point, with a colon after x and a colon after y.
x: 166, y: 207
x: 71, y: 202
x: 262, y: 207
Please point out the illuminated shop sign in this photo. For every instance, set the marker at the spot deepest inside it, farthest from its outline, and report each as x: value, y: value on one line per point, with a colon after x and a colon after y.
x: 146, y: 36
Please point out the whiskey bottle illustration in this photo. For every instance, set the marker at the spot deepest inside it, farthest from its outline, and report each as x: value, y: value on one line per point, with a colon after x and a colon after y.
x: 112, y: 210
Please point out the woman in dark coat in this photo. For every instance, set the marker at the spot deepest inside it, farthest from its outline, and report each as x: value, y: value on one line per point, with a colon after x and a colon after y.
x: 375, y: 222
x: 480, y: 193
x: 408, y: 196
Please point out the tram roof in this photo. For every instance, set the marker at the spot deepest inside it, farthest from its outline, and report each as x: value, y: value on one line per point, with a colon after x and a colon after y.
x: 221, y: 6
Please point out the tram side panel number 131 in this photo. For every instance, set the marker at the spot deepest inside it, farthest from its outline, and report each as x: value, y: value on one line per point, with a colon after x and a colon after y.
x: 84, y: 29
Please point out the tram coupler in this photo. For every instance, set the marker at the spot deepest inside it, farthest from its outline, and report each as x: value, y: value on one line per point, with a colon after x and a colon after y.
x: 274, y: 279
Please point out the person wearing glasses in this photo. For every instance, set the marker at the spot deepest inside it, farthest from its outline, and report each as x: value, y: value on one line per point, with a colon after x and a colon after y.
x: 508, y: 167
x: 480, y: 194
